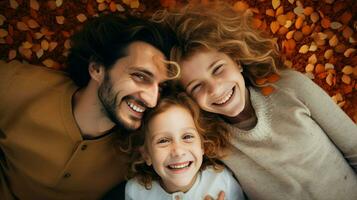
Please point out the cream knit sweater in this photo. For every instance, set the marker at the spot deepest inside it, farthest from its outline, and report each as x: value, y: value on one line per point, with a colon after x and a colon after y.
x: 302, y: 147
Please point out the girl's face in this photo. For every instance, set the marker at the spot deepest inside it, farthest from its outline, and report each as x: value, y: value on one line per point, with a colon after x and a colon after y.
x: 174, y: 148
x: 215, y: 81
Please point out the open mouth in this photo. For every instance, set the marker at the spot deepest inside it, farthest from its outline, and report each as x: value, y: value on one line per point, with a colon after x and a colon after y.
x: 135, y: 107
x: 180, y: 166
x: 226, y: 98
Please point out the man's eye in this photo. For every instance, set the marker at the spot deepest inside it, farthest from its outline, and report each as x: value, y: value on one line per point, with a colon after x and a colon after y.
x: 139, y: 77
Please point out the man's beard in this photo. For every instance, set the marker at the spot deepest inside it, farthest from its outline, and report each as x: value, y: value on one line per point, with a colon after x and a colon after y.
x: 108, y: 98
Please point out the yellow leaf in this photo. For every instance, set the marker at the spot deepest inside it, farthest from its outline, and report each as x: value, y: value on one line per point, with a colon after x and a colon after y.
x: 275, y: 3
x: 14, y: 4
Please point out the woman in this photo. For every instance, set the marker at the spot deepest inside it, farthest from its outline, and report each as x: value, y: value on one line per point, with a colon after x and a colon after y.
x: 286, y: 145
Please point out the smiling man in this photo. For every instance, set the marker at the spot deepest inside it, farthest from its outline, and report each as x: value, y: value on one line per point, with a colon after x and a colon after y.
x: 57, y: 130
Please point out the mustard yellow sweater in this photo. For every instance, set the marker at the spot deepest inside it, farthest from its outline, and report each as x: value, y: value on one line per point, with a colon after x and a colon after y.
x: 43, y: 155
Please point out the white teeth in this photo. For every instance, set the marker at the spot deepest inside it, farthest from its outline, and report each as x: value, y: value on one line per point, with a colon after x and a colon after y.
x: 226, y: 98
x: 180, y: 166
x: 134, y: 107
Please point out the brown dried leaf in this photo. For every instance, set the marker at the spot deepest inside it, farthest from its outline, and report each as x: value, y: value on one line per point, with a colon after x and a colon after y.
x: 59, y: 3
x: 120, y: 8
x: 51, y: 4
x: 274, y: 26
x: 312, y: 59
x: 14, y: 4
x: 3, y: 33
x: 2, y: 19
x: 325, y: 23
x: 347, y: 32
x: 51, y: 63
x: 60, y: 19
x: 333, y: 41
x: 102, y: 7
x: 281, y: 19
x: 38, y: 35
x: 336, y: 25
x: 329, y: 79
x: 348, y: 52
x: 39, y: 53
x: 112, y: 6
x: 22, y: 26
x: 328, y: 54
x: 67, y: 44
x: 304, y: 49
x: 314, y: 17
x: 279, y: 11
x: 134, y: 4
x: 319, y: 69
x: 275, y: 4
x: 81, y: 17
x: 26, y: 45
x: 32, y: 24
x: 309, y: 67
x: 45, y: 45
x: 347, y: 70
x: 52, y: 46
x: 12, y: 54
x: 290, y: 34
x: 346, y: 79
x: 346, y: 17
x: 240, y: 6
x: 308, y: 11
x: 270, y: 12
x: 299, y: 22
x: 34, y: 5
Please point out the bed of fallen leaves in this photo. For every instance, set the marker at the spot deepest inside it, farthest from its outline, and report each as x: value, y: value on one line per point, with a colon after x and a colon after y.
x: 316, y: 37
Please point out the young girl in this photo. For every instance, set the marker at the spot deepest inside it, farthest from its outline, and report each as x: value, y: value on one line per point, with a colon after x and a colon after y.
x: 295, y: 143
x: 178, y: 158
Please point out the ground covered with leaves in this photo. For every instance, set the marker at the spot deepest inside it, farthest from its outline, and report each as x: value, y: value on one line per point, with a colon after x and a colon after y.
x: 316, y: 37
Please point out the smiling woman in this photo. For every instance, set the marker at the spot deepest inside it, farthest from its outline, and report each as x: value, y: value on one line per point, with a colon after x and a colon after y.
x: 284, y: 140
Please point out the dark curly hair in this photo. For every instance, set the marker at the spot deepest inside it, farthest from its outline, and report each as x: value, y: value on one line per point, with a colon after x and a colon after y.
x: 104, y: 40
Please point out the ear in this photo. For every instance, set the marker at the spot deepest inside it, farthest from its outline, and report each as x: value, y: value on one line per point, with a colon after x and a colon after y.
x: 145, y: 156
x: 96, y: 71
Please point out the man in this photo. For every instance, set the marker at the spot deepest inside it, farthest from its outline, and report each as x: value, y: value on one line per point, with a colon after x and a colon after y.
x: 57, y: 133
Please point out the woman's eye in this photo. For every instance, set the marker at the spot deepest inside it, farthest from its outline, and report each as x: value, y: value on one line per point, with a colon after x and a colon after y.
x: 196, y: 88
x: 218, y: 69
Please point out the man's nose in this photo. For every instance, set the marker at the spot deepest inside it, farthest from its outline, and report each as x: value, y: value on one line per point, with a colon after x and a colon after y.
x: 150, y: 95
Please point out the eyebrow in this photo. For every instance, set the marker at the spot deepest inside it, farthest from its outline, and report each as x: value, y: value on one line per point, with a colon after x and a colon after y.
x: 209, y: 67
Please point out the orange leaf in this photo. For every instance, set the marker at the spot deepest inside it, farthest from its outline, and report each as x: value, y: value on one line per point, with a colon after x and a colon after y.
x: 266, y: 91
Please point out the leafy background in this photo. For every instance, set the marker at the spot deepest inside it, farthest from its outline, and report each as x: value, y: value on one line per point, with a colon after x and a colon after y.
x: 316, y: 37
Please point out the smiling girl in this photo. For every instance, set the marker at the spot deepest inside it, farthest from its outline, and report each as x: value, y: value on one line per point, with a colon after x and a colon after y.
x: 179, y: 156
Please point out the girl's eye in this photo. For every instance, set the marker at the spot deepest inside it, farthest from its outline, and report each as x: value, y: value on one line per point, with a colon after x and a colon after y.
x: 188, y: 137
x: 162, y: 141
x: 218, y: 69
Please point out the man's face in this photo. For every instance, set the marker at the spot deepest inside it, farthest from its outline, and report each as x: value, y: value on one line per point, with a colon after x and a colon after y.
x: 132, y: 84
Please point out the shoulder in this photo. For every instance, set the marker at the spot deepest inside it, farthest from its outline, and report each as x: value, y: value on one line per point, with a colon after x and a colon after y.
x: 293, y: 79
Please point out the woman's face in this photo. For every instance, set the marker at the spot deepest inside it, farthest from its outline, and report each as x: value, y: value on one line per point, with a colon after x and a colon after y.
x: 215, y: 81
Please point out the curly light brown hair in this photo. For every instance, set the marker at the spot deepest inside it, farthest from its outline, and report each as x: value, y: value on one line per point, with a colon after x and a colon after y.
x: 217, y: 26
x: 214, y: 136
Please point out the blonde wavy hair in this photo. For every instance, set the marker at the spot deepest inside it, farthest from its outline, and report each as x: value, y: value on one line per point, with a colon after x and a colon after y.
x: 214, y: 137
x: 217, y: 26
